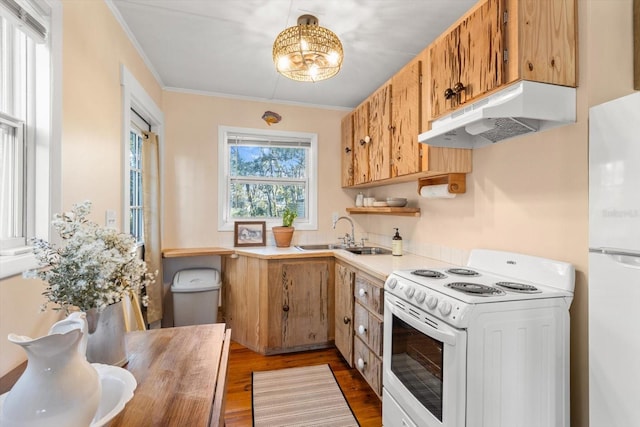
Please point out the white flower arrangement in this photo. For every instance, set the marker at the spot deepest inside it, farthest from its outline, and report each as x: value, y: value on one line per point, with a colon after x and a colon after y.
x: 97, y: 266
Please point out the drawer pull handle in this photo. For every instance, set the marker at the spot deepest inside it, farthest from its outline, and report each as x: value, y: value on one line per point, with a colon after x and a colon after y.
x: 361, y: 364
x: 362, y: 293
x: 346, y: 320
x: 362, y: 330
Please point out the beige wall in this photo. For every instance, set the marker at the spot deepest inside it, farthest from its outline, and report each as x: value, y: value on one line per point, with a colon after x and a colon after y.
x: 94, y: 46
x: 527, y: 195
x: 191, y: 162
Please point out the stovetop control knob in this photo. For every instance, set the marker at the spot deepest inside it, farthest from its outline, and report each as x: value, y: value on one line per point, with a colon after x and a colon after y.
x: 392, y: 283
x: 409, y: 291
x: 432, y: 302
x: 445, y: 308
x: 420, y: 295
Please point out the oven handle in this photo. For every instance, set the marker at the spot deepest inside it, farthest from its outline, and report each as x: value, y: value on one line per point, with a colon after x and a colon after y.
x: 447, y: 334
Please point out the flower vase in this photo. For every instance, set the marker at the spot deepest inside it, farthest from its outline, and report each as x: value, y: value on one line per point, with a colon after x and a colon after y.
x: 105, y: 343
x: 59, y: 387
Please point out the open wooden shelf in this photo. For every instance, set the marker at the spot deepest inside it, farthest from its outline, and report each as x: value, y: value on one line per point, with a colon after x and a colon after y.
x: 386, y: 211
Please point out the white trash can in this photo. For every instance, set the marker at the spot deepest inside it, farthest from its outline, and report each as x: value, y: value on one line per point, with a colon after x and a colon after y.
x: 195, y: 296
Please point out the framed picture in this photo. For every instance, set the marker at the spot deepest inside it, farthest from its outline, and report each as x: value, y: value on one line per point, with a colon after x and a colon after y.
x: 249, y: 233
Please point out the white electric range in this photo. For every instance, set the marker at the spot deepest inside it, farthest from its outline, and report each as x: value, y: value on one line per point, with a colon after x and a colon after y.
x: 482, y: 345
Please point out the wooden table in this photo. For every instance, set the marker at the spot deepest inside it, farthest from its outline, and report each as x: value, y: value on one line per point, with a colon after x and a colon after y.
x: 181, y: 374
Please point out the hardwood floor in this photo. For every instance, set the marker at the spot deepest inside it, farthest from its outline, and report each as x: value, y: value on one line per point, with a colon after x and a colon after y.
x: 366, y: 406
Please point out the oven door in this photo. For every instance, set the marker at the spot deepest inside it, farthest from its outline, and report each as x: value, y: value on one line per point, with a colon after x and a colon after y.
x: 424, y: 363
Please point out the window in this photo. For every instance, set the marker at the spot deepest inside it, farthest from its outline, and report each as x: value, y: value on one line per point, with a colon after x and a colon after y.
x: 136, y: 225
x: 29, y: 131
x: 263, y: 172
x: 142, y: 114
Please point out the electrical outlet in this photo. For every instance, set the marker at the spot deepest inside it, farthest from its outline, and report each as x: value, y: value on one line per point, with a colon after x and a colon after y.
x: 110, y: 218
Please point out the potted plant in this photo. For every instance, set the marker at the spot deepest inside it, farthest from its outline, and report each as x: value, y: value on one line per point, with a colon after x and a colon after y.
x: 283, y: 234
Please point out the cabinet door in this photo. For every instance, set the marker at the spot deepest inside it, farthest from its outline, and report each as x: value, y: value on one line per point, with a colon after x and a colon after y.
x: 347, y: 150
x: 241, y: 298
x: 360, y: 148
x: 445, y: 70
x: 481, y: 49
x: 380, y: 133
x: 405, y: 120
x: 345, y: 278
x: 471, y: 55
x: 305, y: 303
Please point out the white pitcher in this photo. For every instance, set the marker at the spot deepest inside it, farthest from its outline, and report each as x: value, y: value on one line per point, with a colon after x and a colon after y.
x: 59, y: 387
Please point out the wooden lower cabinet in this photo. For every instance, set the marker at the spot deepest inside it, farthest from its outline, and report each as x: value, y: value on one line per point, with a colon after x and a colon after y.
x: 300, y: 301
x: 279, y: 306
x: 368, y: 328
x: 368, y: 364
x: 344, y: 281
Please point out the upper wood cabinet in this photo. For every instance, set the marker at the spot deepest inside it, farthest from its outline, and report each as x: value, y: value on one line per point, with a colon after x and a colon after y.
x: 347, y: 150
x: 467, y: 61
x: 360, y: 147
x: 380, y: 133
x: 370, y: 140
x: 406, y: 109
x: 499, y: 42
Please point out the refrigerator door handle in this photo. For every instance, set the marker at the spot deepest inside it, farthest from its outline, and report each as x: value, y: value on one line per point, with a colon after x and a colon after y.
x: 628, y: 259
x: 612, y: 251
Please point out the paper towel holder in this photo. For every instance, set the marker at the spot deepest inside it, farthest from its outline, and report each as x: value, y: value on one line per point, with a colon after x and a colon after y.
x: 456, y: 182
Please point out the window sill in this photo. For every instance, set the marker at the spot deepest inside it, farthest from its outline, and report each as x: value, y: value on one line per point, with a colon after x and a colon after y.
x: 16, y: 264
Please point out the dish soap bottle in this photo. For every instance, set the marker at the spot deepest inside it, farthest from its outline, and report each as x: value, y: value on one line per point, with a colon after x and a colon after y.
x: 396, y: 244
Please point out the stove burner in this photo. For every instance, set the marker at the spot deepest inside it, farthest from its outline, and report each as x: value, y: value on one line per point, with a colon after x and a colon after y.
x: 463, y: 272
x: 429, y: 273
x: 518, y: 287
x: 475, y: 289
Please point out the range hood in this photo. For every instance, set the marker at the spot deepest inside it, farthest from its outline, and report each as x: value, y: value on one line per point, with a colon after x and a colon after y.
x: 519, y: 109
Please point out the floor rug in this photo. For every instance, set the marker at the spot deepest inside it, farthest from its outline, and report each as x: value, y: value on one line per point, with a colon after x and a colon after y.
x: 304, y: 396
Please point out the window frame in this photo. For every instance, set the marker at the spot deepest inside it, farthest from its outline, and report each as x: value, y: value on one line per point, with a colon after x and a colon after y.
x: 225, y: 223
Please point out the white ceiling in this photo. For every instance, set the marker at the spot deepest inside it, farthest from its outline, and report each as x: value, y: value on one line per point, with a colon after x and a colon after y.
x: 223, y: 47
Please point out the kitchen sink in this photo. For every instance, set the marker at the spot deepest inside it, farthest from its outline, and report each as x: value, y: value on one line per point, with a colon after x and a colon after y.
x: 320, y: 247
x: 368, y: 250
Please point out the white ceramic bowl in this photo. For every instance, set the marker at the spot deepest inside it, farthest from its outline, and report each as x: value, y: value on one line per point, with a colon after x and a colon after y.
x: 380, y: 204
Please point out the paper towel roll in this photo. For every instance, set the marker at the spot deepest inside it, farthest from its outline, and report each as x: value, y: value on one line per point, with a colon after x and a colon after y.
x: 436, y: 192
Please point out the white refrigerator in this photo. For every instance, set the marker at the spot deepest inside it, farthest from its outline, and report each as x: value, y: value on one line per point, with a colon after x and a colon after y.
x: 614, y: 263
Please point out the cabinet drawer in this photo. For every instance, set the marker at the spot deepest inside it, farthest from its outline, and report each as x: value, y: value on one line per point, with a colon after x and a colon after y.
x: 368, y: 294
x: 368, y: 364
x: 368, y: 328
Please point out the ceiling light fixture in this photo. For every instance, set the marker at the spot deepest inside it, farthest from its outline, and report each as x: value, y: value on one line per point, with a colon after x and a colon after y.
x: 307, y: 52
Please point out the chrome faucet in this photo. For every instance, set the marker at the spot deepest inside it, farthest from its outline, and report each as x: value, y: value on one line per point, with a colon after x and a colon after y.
x: 349, y: 239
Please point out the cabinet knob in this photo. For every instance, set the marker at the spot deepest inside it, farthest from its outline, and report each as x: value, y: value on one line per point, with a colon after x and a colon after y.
x: 365, y: 140
x: 361, y: 364
x: 458, y: 87
x: 347, y: 150
x: 362, y: 292
x: 362, y: 330
x: 346, y: 320
x: 285, y: 307
x: 448, y: 93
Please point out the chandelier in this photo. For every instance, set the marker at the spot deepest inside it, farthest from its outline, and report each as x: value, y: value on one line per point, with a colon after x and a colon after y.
x: 307, y: 52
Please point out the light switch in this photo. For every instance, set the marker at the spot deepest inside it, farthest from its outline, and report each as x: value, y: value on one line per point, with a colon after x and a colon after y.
x: 110, y: 218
